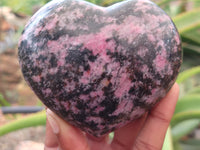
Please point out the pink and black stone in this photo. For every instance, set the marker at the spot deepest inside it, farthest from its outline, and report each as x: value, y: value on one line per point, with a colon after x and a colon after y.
x: 100, y: 68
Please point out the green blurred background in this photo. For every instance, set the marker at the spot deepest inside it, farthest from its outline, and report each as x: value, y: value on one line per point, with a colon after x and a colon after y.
x: 184, y: 133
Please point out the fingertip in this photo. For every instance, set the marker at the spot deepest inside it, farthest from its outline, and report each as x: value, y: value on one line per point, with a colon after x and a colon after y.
x: 51, y: 142
x: 52, y: 121
x: 69, y: 137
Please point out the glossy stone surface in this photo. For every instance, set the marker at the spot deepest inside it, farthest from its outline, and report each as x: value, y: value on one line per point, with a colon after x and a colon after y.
x: 100, y: 68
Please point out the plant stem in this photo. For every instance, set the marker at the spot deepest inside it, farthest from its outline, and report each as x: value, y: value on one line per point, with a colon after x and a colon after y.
x: 187, y: 74
x: 29, y: 121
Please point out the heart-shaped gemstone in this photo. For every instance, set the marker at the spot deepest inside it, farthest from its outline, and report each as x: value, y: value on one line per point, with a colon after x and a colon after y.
x: 100, y: 68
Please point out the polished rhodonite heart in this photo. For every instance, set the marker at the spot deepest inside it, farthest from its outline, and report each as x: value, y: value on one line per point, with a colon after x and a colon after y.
x: 99, y: 68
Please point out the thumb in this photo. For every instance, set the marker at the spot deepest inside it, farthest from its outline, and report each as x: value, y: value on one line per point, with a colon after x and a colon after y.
x: 69, y: 137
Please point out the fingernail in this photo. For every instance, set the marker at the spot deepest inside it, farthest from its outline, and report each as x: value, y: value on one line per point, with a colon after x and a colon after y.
x: 52, y: 121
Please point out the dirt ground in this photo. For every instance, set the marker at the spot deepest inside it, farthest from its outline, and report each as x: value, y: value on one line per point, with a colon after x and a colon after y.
x: 13, y: 87
x: 24, y: 139
x: 15, y: 91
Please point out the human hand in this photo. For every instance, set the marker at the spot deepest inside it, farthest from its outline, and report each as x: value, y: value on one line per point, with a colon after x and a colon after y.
x: 148, y: 132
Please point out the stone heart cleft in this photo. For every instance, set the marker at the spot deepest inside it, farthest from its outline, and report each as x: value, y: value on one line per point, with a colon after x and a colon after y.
x: 100, y: 68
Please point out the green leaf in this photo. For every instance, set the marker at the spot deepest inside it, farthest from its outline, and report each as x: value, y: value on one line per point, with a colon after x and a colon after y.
x: 195, y: 90
x: 163, y: 2
x: 111, y: 135
x: 29, y: 121
x: 109, y: 2
x: 190, y: 59
x: 92, y: 1
x: 104, y: 2
x: 192, y: 33
x: 190, y: 144
x: 187, y: 74
x: 23, y: 6
x: 188, y: 103
x: 188, y: 24
x: 184, y: 128
x: 190, y: 47
x: 186, y: 115
x: 177, y: 146
x: 186, y: 20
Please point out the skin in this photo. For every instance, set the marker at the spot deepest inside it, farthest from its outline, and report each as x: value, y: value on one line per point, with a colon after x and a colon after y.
x: 149, y: 131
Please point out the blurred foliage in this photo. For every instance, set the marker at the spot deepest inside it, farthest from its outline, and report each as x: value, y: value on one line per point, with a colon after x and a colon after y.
x: 23, y: 6
x: 104, y: 2
x: 186, y: 117
x: 3, y: 101
x: 186, y: 16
